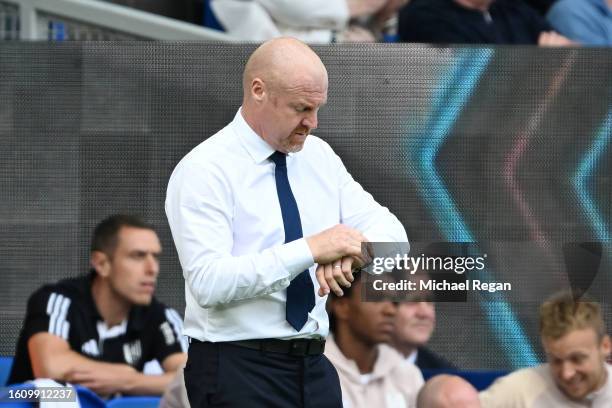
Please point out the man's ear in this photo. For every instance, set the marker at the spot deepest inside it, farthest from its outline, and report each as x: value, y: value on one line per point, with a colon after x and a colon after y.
x: 258, y: 90
x: 101, y: 263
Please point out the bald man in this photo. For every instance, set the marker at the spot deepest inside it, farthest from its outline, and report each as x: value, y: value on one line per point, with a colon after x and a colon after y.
x: 267, y: 221
x: 448, y: 391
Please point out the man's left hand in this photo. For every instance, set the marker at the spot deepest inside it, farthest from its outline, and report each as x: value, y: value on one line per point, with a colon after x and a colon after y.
x: 103, y: 382
x: 338, y: 273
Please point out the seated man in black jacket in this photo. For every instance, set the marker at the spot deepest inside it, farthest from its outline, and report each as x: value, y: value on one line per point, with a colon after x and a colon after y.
x: 475, y: 22
x: 99, y: 329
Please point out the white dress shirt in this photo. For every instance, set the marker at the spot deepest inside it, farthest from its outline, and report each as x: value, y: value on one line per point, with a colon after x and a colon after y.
x: 412, y: 357
x: 226, y: 221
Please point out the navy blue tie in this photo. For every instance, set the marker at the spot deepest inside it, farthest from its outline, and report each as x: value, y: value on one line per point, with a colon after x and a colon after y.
x: 300, y: 293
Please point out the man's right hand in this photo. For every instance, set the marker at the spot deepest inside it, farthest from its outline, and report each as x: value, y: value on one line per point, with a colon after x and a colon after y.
x: 553, y: 39
x: 335, y: 243
x: 112, y: 379
x: 337, y: 250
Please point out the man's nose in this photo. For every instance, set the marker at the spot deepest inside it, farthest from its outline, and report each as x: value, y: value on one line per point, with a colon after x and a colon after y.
x: 567, y: 372
x: 389, y: 309
x: 311, y: 121
x: 423, y: 309
x: 152, y: 265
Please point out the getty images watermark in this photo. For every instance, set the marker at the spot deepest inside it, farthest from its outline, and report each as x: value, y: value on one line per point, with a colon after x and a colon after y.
x: 440, y: 272
x: 410, y: 264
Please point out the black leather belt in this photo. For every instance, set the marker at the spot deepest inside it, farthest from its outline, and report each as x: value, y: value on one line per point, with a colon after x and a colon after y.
x: 297, y: 347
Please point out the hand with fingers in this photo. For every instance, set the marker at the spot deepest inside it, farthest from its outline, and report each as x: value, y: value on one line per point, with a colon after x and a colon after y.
x: 335, y: 274
x: 337, y: 250
x: 103, y: 382
x: 553, y: 39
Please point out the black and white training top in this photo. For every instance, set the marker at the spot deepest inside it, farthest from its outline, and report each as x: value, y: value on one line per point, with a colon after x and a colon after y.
x: 67, y: 310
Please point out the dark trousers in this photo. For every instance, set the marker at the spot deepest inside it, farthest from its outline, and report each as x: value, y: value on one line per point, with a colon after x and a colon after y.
x: 226, y: 375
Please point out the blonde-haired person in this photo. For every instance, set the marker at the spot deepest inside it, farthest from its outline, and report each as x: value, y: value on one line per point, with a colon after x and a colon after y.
x: 576, y: 344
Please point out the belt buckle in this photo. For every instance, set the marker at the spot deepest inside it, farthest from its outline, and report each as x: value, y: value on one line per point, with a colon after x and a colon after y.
x: 298, y: 348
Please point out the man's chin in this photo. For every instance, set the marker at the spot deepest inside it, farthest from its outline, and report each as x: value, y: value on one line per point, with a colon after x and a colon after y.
x: 142, y: 300
x: 573, y: 394
x: 295, y: 148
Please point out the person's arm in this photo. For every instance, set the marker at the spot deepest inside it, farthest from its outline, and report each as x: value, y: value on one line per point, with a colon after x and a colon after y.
x: 543, y: 31
x: 327, y: 14
x: 108, y: 379
x: 199, y: 207
x: 244, y: 20
x: 51, y: 357
x: 573, y: 24
x: 364, y: 8
x: 169, y: 347
x: 47, y: 328
x: 515, y: 390
x: 359, y: 210
x: 141, y: 384
x: 553, y: 39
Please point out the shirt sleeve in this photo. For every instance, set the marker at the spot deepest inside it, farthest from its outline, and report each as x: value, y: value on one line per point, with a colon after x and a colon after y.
x: 358, y: 209
x: 326, y: 14
x: 199, y: 207
x: 266, y: 19
x: 573, y: 24
x: 245, y: 20
x: 505, y: 392
x: 169, y: 338
x: 47, y: 311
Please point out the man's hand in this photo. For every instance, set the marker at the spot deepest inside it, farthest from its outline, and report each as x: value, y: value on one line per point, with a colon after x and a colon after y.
x: 390, y: 8
x: 354, y: 33
x: 358, y: 8
x: 106, y: 382
x: 335, y: 243
x: 340, y: 272
x: 553, y: 39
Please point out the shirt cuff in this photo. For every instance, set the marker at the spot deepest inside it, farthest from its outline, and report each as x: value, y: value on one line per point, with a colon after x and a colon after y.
x: 296, y: 257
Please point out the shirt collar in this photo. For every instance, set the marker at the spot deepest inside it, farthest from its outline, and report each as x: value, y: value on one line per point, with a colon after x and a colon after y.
x: 258, y: 149
x: 412, y: 357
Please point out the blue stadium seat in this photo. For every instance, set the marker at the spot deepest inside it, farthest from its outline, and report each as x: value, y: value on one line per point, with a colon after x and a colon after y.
x: 134, y: 402
x: 88, y: 398
x: 480, y: 379
x: 5, y: 369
